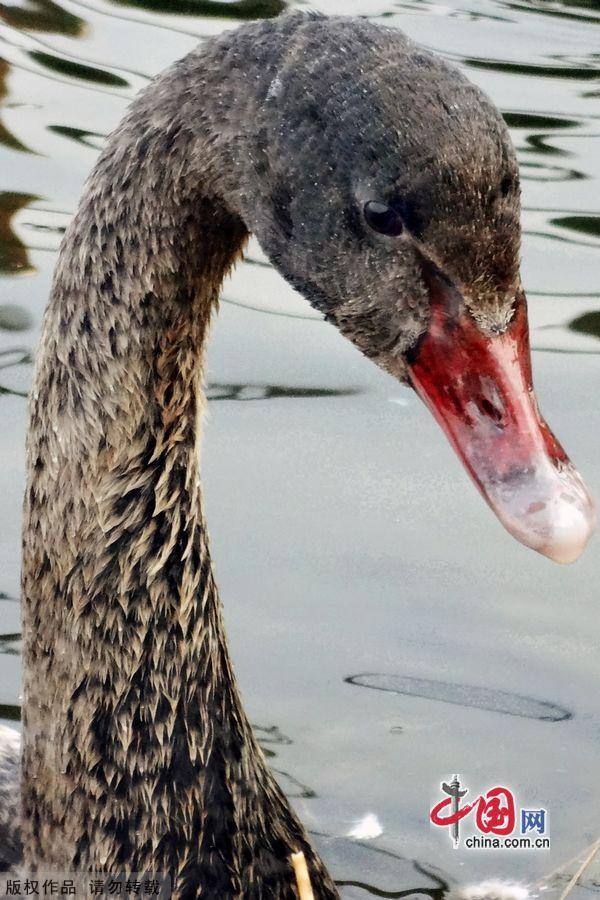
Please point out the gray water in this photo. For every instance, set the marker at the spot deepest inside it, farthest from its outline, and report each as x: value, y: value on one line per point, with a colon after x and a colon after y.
x: 387, y: 633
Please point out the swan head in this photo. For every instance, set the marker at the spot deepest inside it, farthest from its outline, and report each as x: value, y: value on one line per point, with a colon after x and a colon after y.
x: 384, y: 186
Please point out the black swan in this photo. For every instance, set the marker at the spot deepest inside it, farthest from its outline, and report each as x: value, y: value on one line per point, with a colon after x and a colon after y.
x: 384, y: 187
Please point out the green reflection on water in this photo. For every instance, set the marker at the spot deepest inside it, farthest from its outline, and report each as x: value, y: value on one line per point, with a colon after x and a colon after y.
x: 583, y: 224
x: 87, y: 138
x: 77, y: 70
x: 537, y: 121
x: 562, y: 11
x: 578, y: 73
x: 588, y: 323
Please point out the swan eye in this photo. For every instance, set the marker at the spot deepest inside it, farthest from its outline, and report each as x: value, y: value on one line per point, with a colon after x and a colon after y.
x: 383, y: 218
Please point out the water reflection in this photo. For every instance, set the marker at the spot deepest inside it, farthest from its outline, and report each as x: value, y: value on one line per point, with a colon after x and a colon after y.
x: 537, y: 172
x: 14, y: 318
x: 10, y: 711
x: 292, y: 787
x: 563, y: 10
x: 578, y: 73
x: 7, y: 137
x: 42, y: 15
x: 464, y: 695
x: 13, y: 253
x: 267, y: 735
x: 378, y: 871
x: 9, y: 644
x: 51, y: 223
x: 15, y: 356
x: 582, y: 224
x: 10, y: 360
x: 588, y: 323
x: 377, y: 892
x: 538, y: 121
x: 245, y: 392
x: 270, y: 734
x: 270, y: 312
x: 235, y: 9
x: 87, y: 138
x: 64, y: 66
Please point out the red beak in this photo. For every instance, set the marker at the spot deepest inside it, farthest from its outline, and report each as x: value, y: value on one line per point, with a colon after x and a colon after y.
x: 479, y: 388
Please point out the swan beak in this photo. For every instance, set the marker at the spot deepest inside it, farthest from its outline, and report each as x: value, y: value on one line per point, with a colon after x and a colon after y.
x: 479, y: 388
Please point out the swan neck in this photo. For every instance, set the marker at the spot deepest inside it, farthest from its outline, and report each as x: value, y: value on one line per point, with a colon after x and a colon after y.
x: 136, y: 751
x: 128, y: 688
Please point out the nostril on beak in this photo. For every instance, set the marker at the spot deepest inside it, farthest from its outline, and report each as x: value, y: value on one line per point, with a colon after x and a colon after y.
x: 490, y: 411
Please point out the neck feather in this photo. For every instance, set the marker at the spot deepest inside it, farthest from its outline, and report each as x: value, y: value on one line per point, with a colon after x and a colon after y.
x: 136, y: 750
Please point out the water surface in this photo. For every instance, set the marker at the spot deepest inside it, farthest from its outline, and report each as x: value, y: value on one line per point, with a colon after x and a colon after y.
x: 346, y: 537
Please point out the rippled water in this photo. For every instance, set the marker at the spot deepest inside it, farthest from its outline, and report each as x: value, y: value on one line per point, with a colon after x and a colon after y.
x: 346, y: 537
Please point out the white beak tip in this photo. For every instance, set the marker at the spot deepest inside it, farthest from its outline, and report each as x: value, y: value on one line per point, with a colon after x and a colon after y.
x: 548, y: 510
x: 568, y: 541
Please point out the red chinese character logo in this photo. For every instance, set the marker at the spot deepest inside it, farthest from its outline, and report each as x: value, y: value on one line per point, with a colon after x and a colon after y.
x: 495, y: 811
x: 454, y: 815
